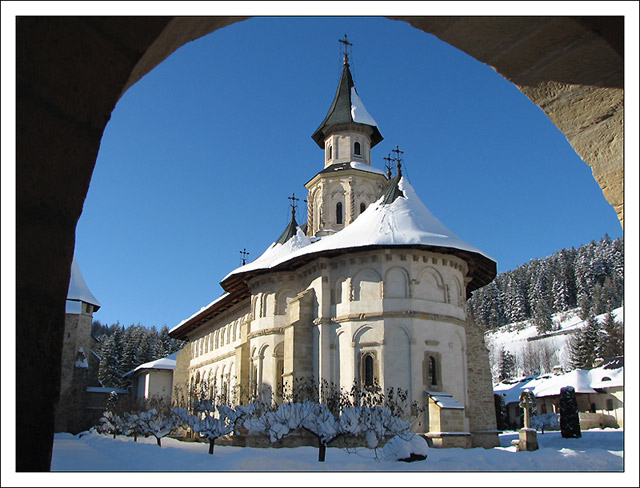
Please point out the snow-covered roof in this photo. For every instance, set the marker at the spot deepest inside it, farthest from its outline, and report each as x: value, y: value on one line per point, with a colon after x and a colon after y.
x: 366, y: 167
x: 346, y: 108
x: 405, y: 221
x: 276, y: 253
x: 511, y: 390
x: 163, y: 363
x: 583, y: 381
x: 78, y: 289
x: 217, y: 300
x: 358, y: 112
x: 606, y: 378
x: 578, y: 378
x: 444, y: 400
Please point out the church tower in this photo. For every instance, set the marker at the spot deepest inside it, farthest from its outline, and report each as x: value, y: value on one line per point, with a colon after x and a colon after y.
x: 79, y: 364
x: 348, y: 183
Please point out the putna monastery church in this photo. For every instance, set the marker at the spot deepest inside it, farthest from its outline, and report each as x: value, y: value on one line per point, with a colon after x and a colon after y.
x: 372, y: 288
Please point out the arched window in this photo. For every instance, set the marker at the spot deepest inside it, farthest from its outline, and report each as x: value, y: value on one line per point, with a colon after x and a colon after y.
x: 433, y: 374
x: 368, y: 370
x: 339, y: 213
x: 329, y: 152
x: 356, y: 149
x: 363, y: 207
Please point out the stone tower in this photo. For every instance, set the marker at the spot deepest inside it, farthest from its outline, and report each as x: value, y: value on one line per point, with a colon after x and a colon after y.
x: 348, y: 183
x: 79, y: 365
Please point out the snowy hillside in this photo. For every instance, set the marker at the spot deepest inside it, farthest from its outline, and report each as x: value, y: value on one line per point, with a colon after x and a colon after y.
x: 521, y: 339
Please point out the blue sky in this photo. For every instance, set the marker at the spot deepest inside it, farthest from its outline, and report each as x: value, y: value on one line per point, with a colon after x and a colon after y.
x: 200, y: 156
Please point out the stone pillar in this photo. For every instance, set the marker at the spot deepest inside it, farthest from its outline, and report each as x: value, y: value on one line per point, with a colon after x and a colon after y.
x: 180, y: 387
x: 243, y: 371
x: 481, y: 408
x: 298, y: 340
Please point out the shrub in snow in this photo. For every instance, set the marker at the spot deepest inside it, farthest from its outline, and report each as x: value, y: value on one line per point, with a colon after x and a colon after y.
x: 206, y: 424
x: 322, y: 423
x: 280, y: 423
x: 547, y: 420
x: 405, y: 447
x: 134, y: 425
x: 375, y: 423
x: 110, y: 423
x: 569, y: 417
x: 382, y: 423
x: 238, y: 414
x: 157, y: 424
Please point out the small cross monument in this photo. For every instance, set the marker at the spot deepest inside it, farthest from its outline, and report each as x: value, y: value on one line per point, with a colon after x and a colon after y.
x: 528, y: 439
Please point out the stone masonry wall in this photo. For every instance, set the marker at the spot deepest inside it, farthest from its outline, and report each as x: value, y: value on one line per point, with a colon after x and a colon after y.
x: 481, y: 409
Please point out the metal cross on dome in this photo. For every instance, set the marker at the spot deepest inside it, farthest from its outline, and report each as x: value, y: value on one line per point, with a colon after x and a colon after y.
x: 293, y: 203
x: 346, y: 44
x: 398, y: 159
x: 244, y: 254
x: 388, y: 165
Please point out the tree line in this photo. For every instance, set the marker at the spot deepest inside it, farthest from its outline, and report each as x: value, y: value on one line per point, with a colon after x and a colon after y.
x: 590, y: 277
x: 122, y: 349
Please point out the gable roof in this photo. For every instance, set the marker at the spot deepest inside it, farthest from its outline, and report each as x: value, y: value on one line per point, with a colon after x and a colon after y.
x: 162, y: 363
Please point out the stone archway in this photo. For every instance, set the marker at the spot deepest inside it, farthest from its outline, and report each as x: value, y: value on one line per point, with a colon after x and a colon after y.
x: 71, y: 71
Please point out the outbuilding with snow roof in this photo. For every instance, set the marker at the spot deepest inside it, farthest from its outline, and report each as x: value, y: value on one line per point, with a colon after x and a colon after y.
x: 153, y: 380
x: 371, y: 290
x: 599, y: 394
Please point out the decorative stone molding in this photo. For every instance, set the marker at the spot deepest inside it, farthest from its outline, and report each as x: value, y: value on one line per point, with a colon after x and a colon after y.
x: 400, y: 315
x: 214, y: 359
x: 264, y: 332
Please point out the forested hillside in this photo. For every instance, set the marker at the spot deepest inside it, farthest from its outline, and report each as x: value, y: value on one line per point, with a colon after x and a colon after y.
x: 122, y: 349
x: 590, y: 277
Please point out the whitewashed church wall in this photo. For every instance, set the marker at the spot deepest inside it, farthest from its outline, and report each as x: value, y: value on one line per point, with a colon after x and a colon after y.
x: 215, y: 341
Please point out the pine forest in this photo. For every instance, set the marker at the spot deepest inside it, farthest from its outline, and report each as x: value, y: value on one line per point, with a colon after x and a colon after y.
x: 122, y: 349
x: 590, y: 277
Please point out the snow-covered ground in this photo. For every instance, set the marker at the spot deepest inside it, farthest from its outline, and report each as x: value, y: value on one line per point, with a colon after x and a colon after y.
x: 597, y: 450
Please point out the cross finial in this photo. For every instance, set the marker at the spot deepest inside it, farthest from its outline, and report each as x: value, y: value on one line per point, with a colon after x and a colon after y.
x: 398, y: 159
x: 346, y: 44
x: 244, y: 254
x: 293, y: 204
x: 388, y: 165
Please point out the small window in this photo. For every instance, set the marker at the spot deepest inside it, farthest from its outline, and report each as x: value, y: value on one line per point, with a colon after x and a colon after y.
x: 362, y: 207
x: 339, y: 213
x: 329, y: 153
x: 368, y: 370
x: 592, y: 408
x: 356, y: 149
x: 433, y: 374
x: 609, y: 404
